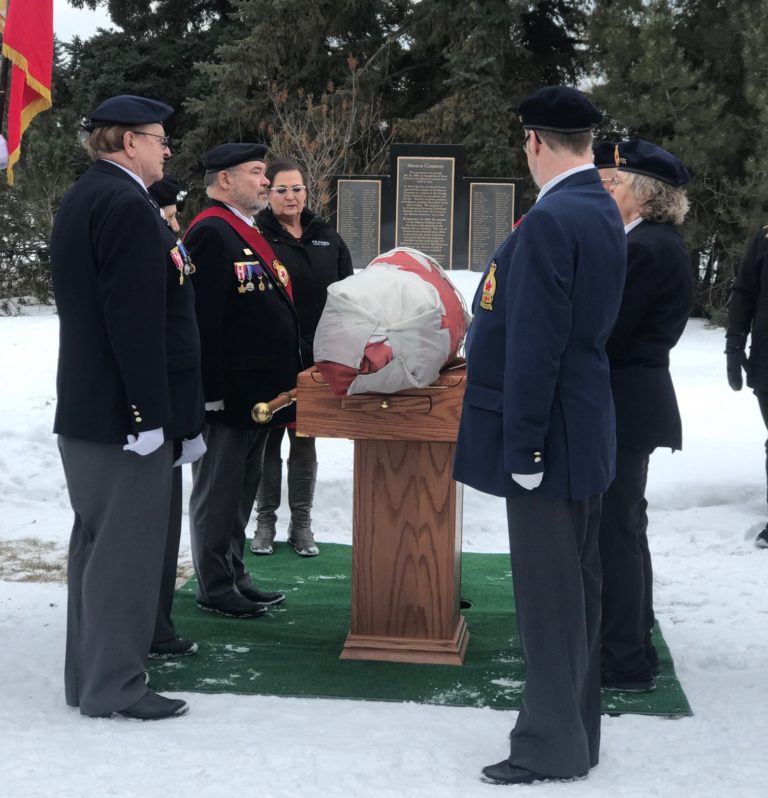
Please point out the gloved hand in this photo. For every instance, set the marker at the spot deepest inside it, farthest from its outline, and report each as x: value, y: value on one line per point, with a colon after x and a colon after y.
x: 191, y: 449
x: 528, y: 481
x: 736, y: 360
x: 147, y: 442
x: 217, y: 405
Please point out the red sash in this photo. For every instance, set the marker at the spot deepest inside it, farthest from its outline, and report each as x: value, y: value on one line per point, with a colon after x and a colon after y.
x: 253, y: 238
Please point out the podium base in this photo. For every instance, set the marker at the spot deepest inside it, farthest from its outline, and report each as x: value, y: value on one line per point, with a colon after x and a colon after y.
x: 422, y: 651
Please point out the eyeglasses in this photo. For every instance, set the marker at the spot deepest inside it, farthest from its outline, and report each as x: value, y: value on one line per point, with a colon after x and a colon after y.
x: 283, y: 190
x: 165, y: 141
x: 527, y: 136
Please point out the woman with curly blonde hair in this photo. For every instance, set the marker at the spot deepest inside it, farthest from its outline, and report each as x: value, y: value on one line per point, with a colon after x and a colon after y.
x: 649, y: 189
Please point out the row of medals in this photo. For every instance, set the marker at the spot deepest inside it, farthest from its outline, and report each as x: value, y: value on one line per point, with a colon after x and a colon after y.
x: 245, y: 270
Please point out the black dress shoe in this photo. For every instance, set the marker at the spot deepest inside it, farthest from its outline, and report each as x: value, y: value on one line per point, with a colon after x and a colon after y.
x: 505, y: 772
x: 234, y: 607
x: 627, y: 683
x: 175, y: 647
x: 152, y: 707
x: 260, y: 597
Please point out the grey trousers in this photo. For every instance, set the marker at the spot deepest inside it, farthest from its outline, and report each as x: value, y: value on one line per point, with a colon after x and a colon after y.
x: 556, y: 574
x: 121, y: 503
x: 225, y: 483
x: 164, y: 627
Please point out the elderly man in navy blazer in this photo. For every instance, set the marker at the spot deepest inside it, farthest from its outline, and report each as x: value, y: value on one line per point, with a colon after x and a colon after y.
x: 538, y: 428
x: 129, y: 411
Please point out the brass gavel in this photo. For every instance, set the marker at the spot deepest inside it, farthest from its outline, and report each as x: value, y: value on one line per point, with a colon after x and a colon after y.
x: 262, y: 412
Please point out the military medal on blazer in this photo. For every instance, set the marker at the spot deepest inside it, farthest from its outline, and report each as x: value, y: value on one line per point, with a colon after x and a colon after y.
x: 248, y: 268
x: 182, y: 261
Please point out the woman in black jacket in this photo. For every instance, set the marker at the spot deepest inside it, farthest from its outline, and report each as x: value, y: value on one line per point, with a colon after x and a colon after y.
x: 315, y: 256
x: 649, y: 189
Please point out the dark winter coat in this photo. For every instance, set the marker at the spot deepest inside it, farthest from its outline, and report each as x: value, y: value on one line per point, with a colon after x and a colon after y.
x: 748, y: 309
x: 538, y: 394
x: 320, y: 257
x: 129, y: 350
x: 250, y: 340
x: 658, y: 296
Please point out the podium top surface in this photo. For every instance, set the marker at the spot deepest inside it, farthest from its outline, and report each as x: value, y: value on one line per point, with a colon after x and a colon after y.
x: 415, y: 414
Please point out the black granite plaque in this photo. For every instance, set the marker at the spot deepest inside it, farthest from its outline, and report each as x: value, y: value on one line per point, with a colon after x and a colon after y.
x: 358, y: 218
x: 424, y: 200
x: 491, y: 216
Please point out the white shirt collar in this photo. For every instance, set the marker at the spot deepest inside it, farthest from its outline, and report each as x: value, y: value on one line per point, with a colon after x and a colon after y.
x: 247, y: 219
x: 633, y: 224
x: 127, y: 171
x: 557, y: 178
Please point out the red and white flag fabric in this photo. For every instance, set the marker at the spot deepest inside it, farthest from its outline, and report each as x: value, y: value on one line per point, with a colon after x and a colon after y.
x: 391, y: 326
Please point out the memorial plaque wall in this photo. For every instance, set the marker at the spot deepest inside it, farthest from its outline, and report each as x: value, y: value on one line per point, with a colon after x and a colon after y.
x: 424, y: 206
x: 491, y: 217
x: 358, y: 218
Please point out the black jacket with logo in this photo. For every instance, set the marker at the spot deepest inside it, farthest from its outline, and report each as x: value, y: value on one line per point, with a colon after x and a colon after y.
x: 320, y: 257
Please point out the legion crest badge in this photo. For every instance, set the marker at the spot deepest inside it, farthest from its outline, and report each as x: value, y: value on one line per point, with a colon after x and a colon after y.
x: 489, y: 288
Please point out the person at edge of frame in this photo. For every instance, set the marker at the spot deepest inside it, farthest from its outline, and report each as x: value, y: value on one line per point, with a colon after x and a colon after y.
x: 537, y: 427
x: 748, y: 319
x: 129, y: 409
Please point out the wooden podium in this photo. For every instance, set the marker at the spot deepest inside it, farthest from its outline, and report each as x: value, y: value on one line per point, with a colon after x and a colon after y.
x: 406, y: 528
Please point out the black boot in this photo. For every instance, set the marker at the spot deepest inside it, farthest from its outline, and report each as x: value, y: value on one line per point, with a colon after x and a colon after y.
x: 301, y: 491
x: 267, y: 502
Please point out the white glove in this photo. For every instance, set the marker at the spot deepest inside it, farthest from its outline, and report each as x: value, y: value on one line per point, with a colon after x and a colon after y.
x: 146, y: 443
x: 191, y: 449
x: 528, y: 481
x: 3, y: 153
x: 217, y: 405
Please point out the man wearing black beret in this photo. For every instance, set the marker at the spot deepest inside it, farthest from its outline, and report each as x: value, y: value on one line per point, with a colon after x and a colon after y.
x: 537, y: 428
x: 168, y: 193
x: 129, y: 408
x: 649, y: 190
x: 249, y: 331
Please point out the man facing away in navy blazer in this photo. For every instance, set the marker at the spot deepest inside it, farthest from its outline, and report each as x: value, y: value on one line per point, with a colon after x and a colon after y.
x: 538, y: 428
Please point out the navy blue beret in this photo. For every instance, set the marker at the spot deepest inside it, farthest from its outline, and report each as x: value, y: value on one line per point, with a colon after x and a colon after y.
x: 558, y: 108
x: 645, y: 158
x: 605, y: 153
x: 166, y: 191
x: 225, y: 156
x: 127, y: 109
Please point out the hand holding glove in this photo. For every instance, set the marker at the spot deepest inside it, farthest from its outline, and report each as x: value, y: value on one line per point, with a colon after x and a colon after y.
x: 146, y: 443
x: 736, y: 360
x: 528, y: 481
x: 191, y: 449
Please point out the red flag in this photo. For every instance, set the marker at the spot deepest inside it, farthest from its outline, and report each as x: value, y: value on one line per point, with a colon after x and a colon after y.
x: 28, y: 43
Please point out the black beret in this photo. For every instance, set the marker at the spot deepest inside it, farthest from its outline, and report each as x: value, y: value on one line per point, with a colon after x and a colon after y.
x: 558, y: 108
x: 127, y: 109
x: 225, y: 156
x: 645, y: 158
x: 166, y: 191
x: 605, y: 153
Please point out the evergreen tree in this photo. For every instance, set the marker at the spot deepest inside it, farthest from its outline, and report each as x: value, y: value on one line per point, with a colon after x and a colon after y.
x: 689, y: 76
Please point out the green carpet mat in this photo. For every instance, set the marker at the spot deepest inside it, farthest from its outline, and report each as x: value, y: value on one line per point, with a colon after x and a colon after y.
x: 294, y: 650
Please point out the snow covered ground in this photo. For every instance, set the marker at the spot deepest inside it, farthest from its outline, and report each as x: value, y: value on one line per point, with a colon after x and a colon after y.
x: 707, y: 503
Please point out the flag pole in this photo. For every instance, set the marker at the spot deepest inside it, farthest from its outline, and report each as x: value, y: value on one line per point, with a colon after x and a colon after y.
x: 5, y: 71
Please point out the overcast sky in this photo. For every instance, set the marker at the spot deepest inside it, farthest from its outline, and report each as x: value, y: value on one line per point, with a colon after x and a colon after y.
x: 69, y: 22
